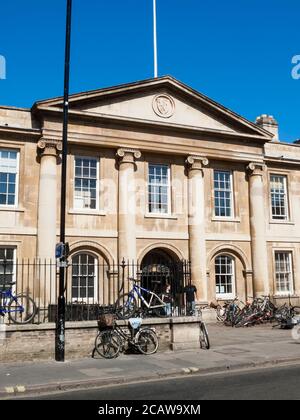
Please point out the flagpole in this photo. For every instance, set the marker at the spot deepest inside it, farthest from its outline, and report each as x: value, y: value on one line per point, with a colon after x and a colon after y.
x: 155, y: 39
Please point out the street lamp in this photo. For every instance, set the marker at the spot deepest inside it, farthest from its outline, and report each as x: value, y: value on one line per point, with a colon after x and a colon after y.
x: 61, y: 304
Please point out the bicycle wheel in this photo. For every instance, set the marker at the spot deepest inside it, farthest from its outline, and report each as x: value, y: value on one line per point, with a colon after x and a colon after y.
x: 21, y: 309
x: 146, y: 341
x: 126, y: 306
x: 203, y: 336
x: 108, y: 344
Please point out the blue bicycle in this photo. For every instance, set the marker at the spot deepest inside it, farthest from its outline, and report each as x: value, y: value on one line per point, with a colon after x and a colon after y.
x: 126, y: 306
x: 20, y: 308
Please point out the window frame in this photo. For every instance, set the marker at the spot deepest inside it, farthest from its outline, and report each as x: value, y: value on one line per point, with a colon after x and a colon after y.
x: 169, y: 189
x: 226, y: 296
x: 232, y: 209
x: 16, y: 203
x: 14, y: 262
x: 291, y: 290
x: 87, y: 209
x: 87, y: 300
x: 286, y: 198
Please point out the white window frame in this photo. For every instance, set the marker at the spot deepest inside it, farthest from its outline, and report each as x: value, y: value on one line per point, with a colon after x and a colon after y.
x: 232, y: 213
x: 14, y: 248
x: 87, y: 209
x: 291, y: 274
x: 15, y: 205
x: 286, y: 201
x: 86, y: 300
x: 226, y: 296
x: 169, y: 210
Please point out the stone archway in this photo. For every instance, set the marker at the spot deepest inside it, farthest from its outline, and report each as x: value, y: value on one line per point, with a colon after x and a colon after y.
x: 160, y: 267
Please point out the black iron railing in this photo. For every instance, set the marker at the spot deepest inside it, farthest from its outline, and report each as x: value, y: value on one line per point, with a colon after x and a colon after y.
x: 94, y: 286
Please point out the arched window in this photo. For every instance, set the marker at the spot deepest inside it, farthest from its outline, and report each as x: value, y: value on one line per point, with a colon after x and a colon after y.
x: 84, y: 278
x: 225, y: 277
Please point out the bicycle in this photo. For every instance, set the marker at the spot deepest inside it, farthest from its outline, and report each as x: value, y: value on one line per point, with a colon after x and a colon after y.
x: 20, y: 308
x: 203, y: 334
x: 287, y: 316
x: 113, y: 340
x: 126, y: 305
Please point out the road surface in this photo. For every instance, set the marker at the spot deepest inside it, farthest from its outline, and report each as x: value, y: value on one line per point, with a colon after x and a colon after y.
x: 268, y: 384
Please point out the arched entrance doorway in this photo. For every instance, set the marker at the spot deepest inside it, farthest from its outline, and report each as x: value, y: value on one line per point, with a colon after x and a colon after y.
x: 160, y: 268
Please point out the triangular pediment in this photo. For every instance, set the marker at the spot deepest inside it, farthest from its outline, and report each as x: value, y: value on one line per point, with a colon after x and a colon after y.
x: 164, y: 100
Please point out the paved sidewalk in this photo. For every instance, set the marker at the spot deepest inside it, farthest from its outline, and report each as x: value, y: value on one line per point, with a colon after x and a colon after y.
x: 231, y: 348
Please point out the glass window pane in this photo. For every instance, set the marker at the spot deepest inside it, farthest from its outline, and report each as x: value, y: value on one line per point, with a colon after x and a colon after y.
x: 158, y: 189
x: 278, y: 193
x: 223, y: 193
x: 224, y: 275
x: 84, y: 277
x: 283, y: 272
x: 86, y: 180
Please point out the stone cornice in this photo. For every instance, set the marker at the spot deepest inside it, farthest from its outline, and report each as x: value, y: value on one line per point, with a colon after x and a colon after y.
x: 161, y: 144
x: 148, y: 124
x: 17, y: 131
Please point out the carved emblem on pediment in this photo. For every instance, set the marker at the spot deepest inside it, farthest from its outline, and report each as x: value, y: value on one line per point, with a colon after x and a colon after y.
x: 163, y: 106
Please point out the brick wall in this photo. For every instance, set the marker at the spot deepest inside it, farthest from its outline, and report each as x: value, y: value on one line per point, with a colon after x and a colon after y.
x: 36, y: 342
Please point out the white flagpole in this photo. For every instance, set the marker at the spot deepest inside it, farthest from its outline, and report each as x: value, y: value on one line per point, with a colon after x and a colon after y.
x: 155, y: 39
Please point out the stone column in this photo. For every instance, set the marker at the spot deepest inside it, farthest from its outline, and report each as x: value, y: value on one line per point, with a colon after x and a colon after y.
x: 127, y: 204
x: 47, y: 217
x: 258, y: 229
x: 196, y: 214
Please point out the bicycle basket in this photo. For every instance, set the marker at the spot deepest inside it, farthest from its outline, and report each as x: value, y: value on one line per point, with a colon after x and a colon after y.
x: 106, y: 320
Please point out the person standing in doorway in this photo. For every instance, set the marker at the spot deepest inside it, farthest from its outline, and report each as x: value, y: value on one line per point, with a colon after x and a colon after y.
x: 167, y: 299
x: 190, y: 294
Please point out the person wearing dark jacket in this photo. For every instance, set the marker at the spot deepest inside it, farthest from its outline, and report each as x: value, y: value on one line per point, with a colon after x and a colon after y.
x: 190, y: 293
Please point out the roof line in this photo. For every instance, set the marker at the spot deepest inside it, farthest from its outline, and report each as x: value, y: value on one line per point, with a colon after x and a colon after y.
x: 15, y: 108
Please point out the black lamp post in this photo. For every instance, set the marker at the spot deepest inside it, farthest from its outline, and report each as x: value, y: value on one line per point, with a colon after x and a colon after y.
x: 61, y: 304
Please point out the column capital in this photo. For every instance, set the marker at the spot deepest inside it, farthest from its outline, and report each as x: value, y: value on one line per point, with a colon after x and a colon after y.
x: 196, y: 162
x: 256, y: 168
x: 125, y: 155
x: 49, y: 147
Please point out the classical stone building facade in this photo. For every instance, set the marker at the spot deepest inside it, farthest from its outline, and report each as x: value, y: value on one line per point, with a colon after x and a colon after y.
x: 155, y: 168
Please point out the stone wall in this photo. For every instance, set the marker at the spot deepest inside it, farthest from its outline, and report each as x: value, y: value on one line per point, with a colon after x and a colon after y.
x: 36, y: 342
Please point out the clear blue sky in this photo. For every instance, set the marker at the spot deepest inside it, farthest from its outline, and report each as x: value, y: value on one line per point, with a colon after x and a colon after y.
x: 238, y: 52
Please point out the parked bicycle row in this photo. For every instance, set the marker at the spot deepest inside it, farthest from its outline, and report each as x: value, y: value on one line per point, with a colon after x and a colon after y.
x: 260, y: 310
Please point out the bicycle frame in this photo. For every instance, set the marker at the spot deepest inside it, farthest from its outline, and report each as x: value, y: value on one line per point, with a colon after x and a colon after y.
x: 137, y: 290
x: 5, y: 297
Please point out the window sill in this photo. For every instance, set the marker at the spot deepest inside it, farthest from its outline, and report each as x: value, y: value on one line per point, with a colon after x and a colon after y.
x: 225, y: 298
x: 282, y: 222
x: 226, y: 219
x: 285, y: 296
x: 160, y: 216
x: 88, y: 212
x: 12, y: 209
